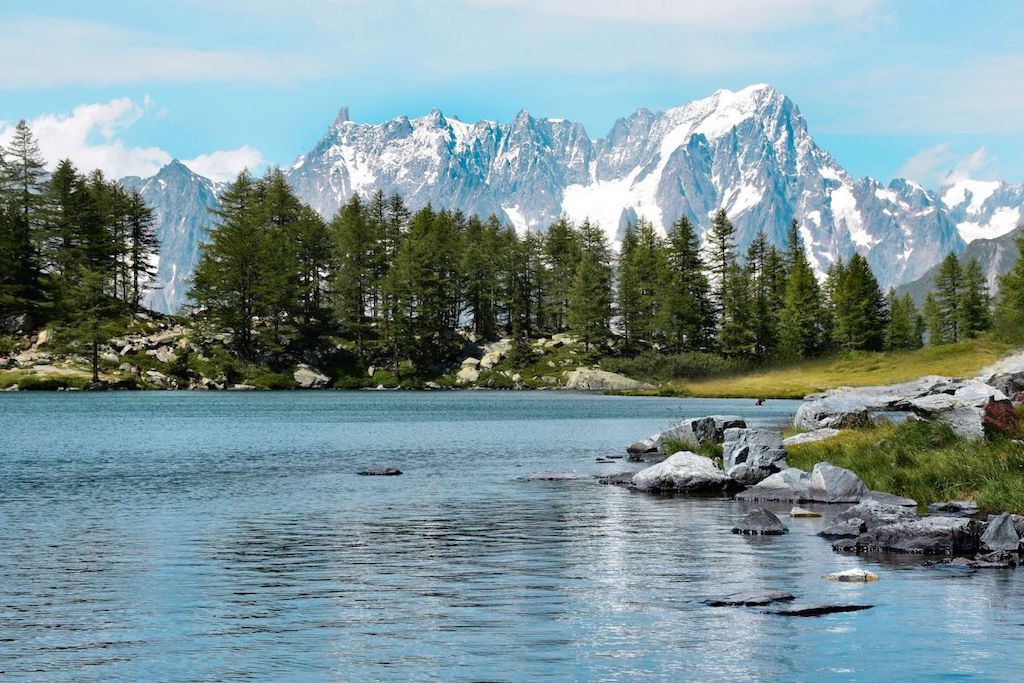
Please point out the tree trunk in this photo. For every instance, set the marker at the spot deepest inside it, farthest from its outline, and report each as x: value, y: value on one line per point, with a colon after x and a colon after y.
x: 95, y: 361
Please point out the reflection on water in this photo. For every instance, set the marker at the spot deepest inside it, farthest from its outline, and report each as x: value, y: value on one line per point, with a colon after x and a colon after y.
x: 223, y: 537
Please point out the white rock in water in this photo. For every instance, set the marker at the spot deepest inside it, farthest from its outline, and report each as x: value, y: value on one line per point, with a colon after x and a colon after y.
x: 683, y: 471
x: 855, y: 575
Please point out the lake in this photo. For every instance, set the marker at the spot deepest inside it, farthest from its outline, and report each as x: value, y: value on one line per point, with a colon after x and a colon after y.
x: 226, y: 536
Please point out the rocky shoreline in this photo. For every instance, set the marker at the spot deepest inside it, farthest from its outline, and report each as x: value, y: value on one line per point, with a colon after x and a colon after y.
x: 753, y: 467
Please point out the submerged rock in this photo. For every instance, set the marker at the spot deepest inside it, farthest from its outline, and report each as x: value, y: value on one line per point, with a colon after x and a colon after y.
x: 817, y: 610
x: 385, y: 472
x: 751, y: 599
x: 801, y: 512
x: 761, y: 522
x: 929, y: 536
x: 955, y: 508
x: 683, y: 472
x: 551, y: 476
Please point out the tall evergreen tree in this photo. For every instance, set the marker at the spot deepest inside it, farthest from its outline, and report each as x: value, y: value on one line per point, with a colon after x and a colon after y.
x: 763, y: 265
x: 859, y: 307
x: 142, y: 245
x: 905, y: 323
x: 944, y: 323
x: 562, y: 252
x: 975, y: 301
x: 802, y: 328
x: 737, y: 338
x: 1008, y: 319
x: 721, y: 254
x: 590, y: 297
x: 686, y: 318
x: 22, y: 187
x: 226, y: 284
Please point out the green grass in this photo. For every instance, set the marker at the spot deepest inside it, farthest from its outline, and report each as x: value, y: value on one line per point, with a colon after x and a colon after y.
x: 29, y: 381
x: 851, y: 369
x: 926, y: 462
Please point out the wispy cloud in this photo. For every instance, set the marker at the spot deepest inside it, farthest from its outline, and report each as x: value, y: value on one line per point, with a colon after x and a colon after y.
x: 90, y: 136
x: 748, y: 16
x: 937, y: 165
x: 75, y: 52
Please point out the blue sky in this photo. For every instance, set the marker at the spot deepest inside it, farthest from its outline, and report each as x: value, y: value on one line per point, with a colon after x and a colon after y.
x: 905, y: 87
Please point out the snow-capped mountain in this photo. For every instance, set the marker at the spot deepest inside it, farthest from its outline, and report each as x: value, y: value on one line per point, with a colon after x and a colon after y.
x: 184, y: 203
x: 749, y: 152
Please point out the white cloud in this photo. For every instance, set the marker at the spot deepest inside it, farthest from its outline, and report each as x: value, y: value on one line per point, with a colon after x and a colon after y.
x: 75, y: 52
x: 224, y: 165
x: 90, y: 137
x: 937, y: 166
x: 751, y: 16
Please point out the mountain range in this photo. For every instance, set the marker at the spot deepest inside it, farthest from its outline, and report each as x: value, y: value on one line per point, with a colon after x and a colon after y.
x: 749, y: 152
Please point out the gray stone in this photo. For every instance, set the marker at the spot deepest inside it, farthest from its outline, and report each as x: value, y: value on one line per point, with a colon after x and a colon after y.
x: 812, y: 436
x: 834, y: 412
x: 1000, y: 535
x: 593, y: 379
x: 752, y: 455
x: 889, y: 499
x: 683, y: 472
x: 930, y: 536
x: 846, y: 528
x: 309, y: 378
x: 750, y: 599
x: 551, y: 476
x: 854, y: 575
x: 1009, y: 383
x: 801, y: 512
x: 165, y: 354
x: 791, y: 485
x: 761, y: 522
x: 955, y: 508
x: 832, y: 484
x: 874, y: 514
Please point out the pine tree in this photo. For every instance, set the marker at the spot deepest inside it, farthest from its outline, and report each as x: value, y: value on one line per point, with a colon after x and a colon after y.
x: 562, y: 252
x: 802, y: 329
x: 859, y: 307
x: 314, y: 252
x: 21, y: 190
x: 226, y: 283
x: 590, y: 297
x: 686, y: 320
x: 905, y: 324
x: 737, y: 338
x: 1008, y: 319
x: 975, y: 301
x: 142, y: 246
x: 721, y: 247
x: 763, y: 264
x: 478, y: 267
x: 628, y: 285
x: 944, y: 323
x: 355, y: 246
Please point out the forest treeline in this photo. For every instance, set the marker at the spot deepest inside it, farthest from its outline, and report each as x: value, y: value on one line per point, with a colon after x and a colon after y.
x: 402, y: 286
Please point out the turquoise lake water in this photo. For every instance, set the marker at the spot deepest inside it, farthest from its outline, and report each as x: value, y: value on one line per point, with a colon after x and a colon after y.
x: 226, y: 536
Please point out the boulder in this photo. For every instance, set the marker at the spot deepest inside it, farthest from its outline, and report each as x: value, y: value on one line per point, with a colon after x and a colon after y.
x: 471, y: 363
x: 855, y: 575
x: 1001, y: 534
x: 309, y: 378
x: 752, y: 455
x: 165, y: 354
x: 833, y: 412
x: 692, y: 432
x: 1000, y: 559
x: 160, y: 338
x: 929, y: 535
x: 750, y: 599
x: 467, y: 374
x: 874, y: 514
x: 845, y: 528
x: 812, y: 436
x: 791, y: 485
x: 593, y: 379
x: 889, y: 499
x: 955, y: 508
x: 760, y: 522
x: 1009, y: 383
x: 831, y: 484
x: 493, y: 353
x: 683, y: 472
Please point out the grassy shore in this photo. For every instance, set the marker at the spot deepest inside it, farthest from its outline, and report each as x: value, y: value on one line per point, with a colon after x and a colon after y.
x: 850, y: 369
x: 926, y: 462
